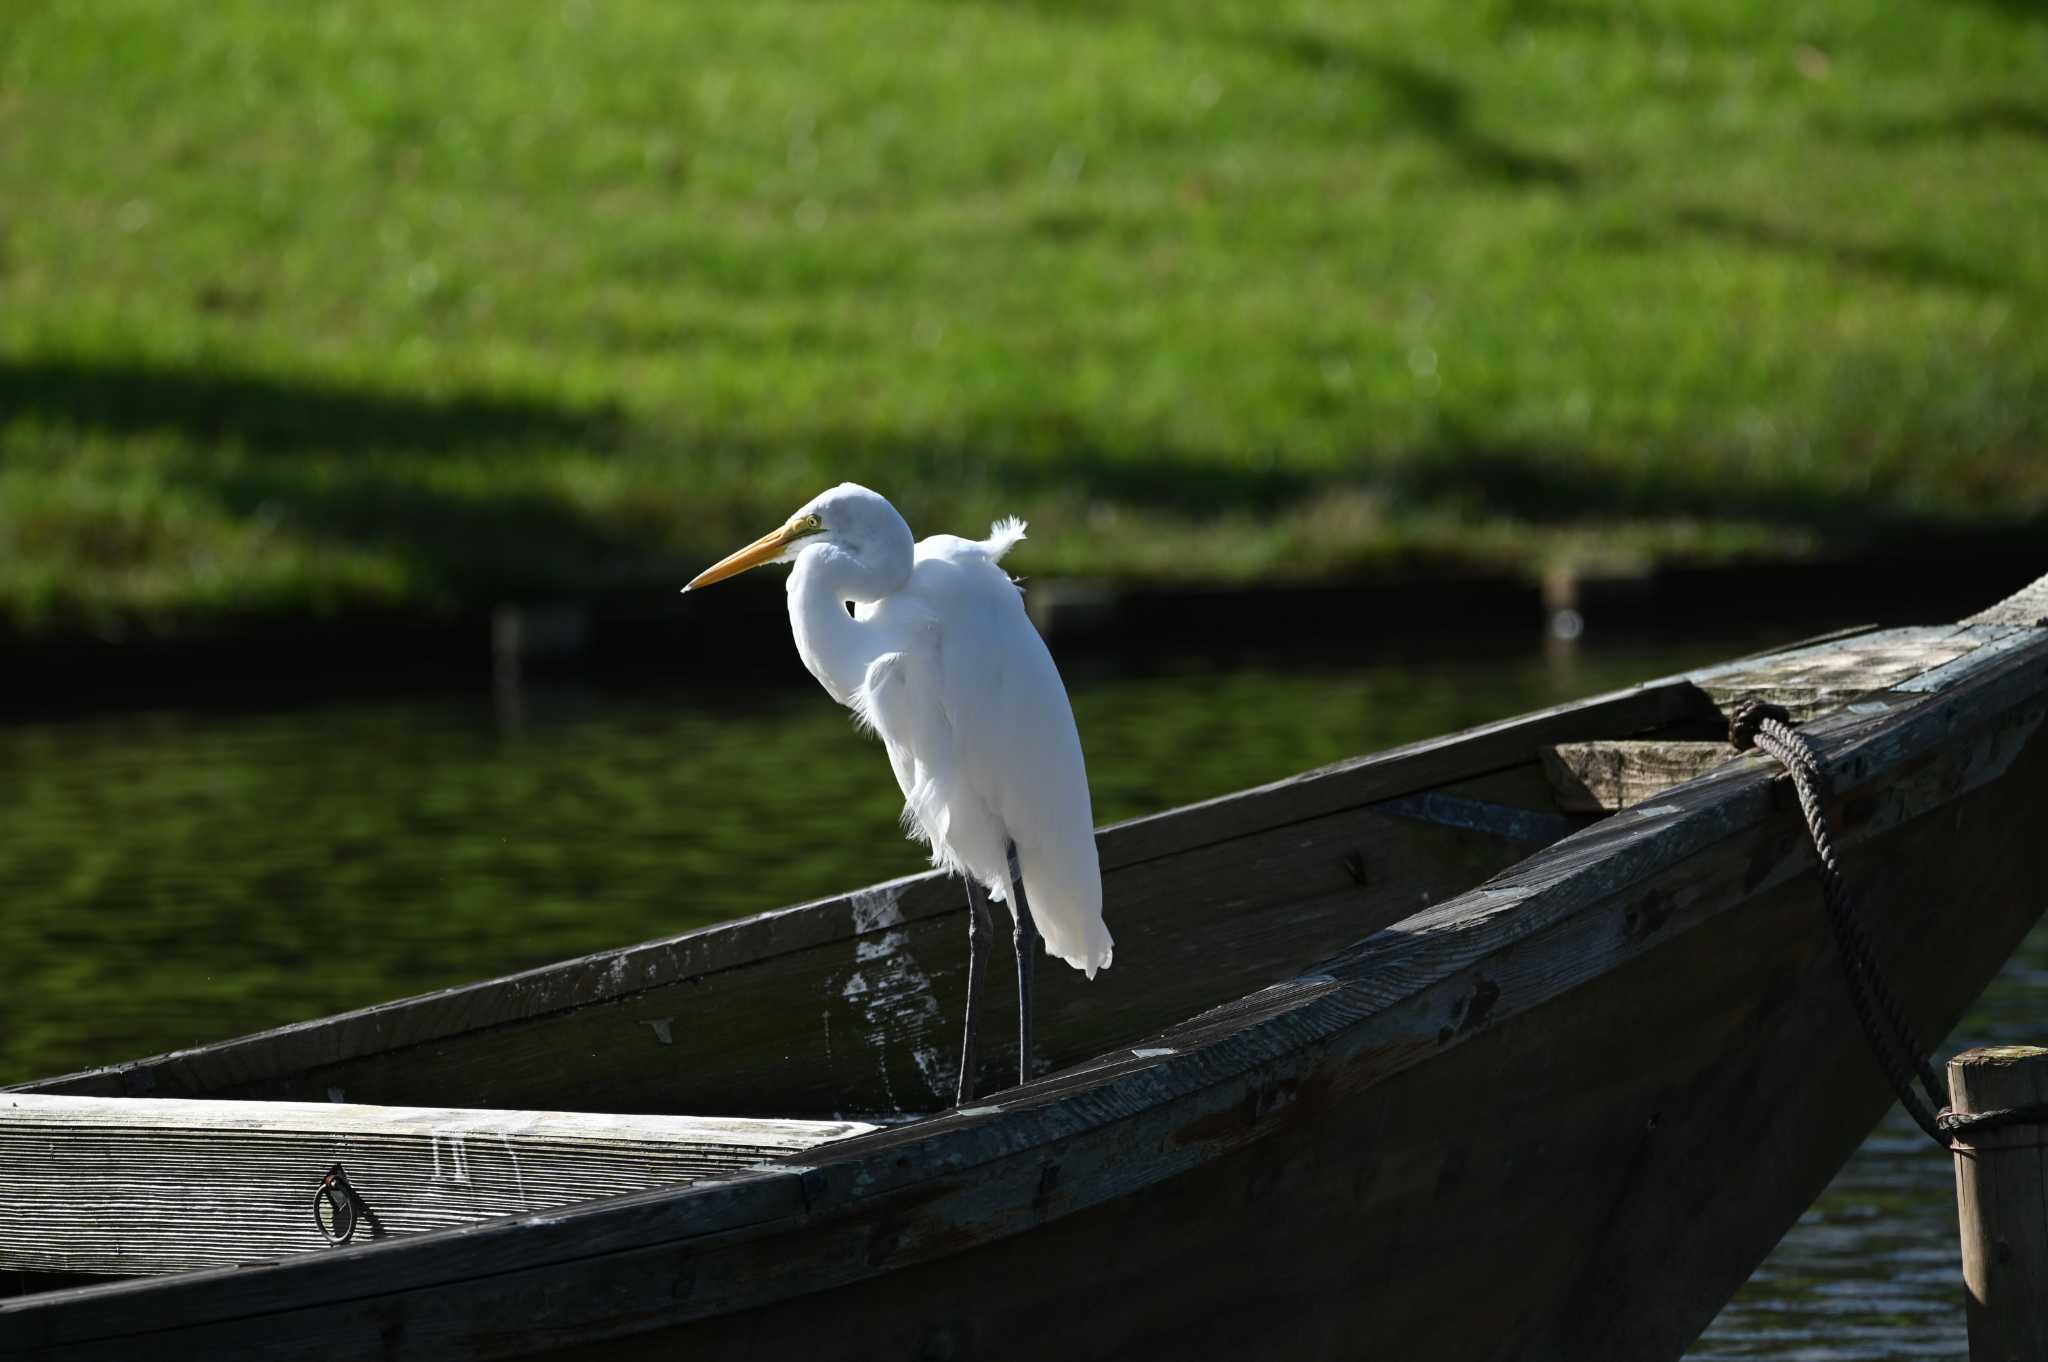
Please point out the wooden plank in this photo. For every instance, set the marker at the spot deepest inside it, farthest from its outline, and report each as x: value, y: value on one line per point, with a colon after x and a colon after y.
x: 870, y: 1023
x: 1811, y: 641
x: 1605, y: 776
x: 1533, y: 826
x: 144, y: 1185
x: 1993, y: 642
x: 1815, y: 649
x: 1812, y: 681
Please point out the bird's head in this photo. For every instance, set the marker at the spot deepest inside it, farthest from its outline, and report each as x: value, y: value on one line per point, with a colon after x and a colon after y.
x: 857, y: 523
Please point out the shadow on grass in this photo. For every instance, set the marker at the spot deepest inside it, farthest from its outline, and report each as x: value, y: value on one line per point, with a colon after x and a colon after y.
x: 463, y: 546
x: 1547, y: 486
x: 1913, y: 263
x: 476, y: 544
x: 1051, y: 454
x: 1978, y: 118
x: 1429, y: 104
x: 479, y: 539
x: 285, y: 414
x: 1426, y: 103
x: 2033, y: 10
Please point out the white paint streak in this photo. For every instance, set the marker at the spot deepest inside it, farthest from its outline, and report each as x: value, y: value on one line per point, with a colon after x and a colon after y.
x: 1155, y: 1053
x: 893, y: 997
x: 661, y: 1027
x: 458, y: 1158
x: 518, y: 1178
x: 614, y: 977
x: 874, y: 909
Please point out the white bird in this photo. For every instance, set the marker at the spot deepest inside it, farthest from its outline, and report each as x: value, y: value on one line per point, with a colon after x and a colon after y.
x: 928, y: 644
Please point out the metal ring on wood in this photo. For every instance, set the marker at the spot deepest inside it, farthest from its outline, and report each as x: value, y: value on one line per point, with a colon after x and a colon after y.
x: 338, y: 1224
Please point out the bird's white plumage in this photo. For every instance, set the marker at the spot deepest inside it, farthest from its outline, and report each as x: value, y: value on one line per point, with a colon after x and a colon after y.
x: 942, y: 662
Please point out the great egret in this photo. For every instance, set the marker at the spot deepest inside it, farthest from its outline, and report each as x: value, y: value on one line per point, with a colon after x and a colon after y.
x: 938, y: 657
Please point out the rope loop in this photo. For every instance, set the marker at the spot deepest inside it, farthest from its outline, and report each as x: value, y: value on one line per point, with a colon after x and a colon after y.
x: 1749, y: 717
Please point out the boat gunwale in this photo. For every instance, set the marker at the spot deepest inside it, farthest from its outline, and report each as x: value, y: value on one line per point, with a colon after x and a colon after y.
x: 1858, y: 750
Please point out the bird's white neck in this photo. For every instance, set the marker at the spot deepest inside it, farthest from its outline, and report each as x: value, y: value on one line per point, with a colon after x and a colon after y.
x: 836, y: 647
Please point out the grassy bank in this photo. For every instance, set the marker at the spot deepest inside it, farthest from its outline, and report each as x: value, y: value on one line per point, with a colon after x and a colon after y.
x: 385, y: 304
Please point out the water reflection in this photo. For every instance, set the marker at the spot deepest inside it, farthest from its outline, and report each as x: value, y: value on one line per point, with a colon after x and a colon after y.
x: 174, y: 877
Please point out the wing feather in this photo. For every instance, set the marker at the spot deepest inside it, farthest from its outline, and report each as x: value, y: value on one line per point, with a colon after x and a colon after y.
x: 982, y: 739
x: 1014, y: 769
x: 900, y: 700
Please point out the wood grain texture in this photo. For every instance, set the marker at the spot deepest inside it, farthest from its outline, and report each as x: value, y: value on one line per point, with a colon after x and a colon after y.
x: 1601, y: 1082
x: 134, y: 1185
x: 2002, y: 1204
x: 1606, y: 776
x: 1809, y: 682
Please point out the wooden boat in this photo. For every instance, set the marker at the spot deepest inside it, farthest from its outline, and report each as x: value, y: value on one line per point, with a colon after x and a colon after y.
x: 1526, y: 1042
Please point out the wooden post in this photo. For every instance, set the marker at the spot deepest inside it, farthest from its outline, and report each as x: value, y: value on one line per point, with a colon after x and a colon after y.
x: 2002, y: 1202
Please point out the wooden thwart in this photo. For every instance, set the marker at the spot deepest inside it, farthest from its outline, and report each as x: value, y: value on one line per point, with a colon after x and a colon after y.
x: 1595, y: 777
x: 142, y: 1185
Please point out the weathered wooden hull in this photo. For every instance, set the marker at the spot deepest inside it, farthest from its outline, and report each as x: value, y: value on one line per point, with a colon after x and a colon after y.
x: 1560, y: 1114
x: 1595, y: 1185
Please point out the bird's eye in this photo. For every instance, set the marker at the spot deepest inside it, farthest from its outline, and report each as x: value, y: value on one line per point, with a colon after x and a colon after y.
x: 812, y: 522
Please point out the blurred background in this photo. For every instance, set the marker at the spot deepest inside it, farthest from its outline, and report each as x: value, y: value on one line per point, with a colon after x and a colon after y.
x: 372, y: 373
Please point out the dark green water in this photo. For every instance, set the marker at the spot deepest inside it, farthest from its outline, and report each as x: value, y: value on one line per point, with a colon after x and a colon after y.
x: 174, y: 876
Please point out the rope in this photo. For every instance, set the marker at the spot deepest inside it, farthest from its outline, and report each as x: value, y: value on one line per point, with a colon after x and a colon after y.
x: 1898, y: 1053
x: 1966, y: 1123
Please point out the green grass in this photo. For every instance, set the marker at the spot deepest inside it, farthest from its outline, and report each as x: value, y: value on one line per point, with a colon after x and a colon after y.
x: 311, y: 309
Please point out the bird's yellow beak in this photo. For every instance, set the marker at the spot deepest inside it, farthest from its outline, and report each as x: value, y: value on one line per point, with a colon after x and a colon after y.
x: 766, y: 549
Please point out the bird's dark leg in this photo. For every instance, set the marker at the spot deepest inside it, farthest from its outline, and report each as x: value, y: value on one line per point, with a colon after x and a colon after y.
x: 979, y: 933
x: 1027, y: 964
